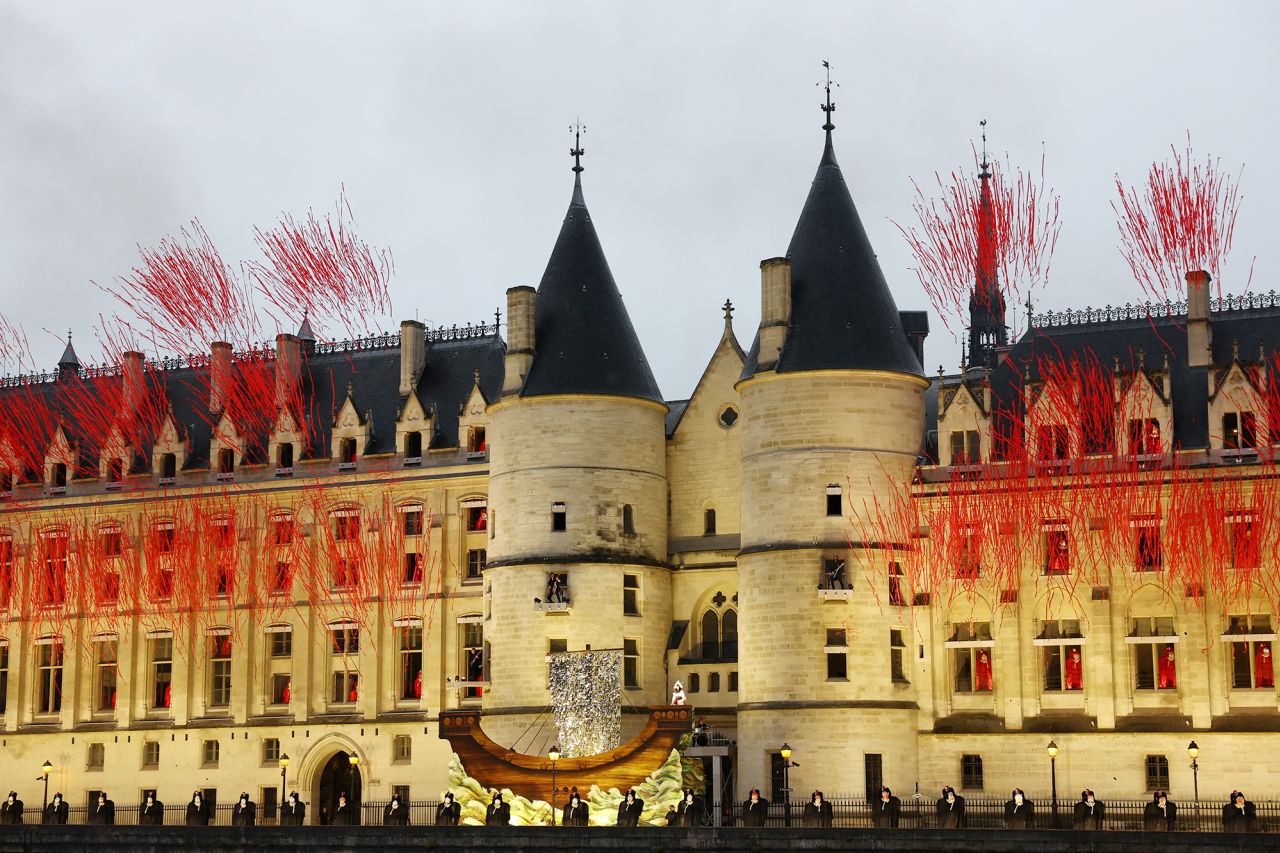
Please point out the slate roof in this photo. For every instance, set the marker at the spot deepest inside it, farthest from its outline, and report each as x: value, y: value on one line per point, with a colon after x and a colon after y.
x: 842, y: 313
x: 584, y: 342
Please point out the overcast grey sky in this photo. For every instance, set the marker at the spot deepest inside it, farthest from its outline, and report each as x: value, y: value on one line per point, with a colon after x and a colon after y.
x: 446, y: 123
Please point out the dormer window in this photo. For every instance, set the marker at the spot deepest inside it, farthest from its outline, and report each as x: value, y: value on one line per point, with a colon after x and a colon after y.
x: 1144, y: 437
x: 59, y: 475
x: 115, y: 472
x: 168, y: 468
x: 1239, y: 430
x: 1054, y: 443
x: 412, y: 447
x: 476, y: 445
x: 347, y: 452
x: 226, y: 462
x: 6, y: 481
x: 284, y: 457
x: 966, y: 447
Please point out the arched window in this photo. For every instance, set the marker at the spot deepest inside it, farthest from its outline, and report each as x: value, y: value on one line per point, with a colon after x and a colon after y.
x: 729, y: 635
x: 710, y: 636
x: 709, y: 521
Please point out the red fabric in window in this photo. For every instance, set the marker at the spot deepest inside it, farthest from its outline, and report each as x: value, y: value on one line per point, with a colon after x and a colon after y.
x: 1167, y: 675
x: 1073, y: 672
x: 1262, y: 667
x: 982, y: 671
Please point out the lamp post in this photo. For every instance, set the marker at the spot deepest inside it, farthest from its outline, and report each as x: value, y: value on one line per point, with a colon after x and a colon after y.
x: 284, y: 768
x: 46, y: 769
x: 352, y: 761
x: 785, y: 752
x: 554, y: 755
x: 1193, y: 750
x: 1052, y: 749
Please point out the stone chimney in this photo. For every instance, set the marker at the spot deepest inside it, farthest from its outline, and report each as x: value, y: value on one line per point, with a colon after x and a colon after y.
x: 288, y: 368
x: 413, y: 354
x: 775, y: 309
x: 1199, y: 331
x: 219, y: 375
x: 520, y: 343
x: 133, y: 384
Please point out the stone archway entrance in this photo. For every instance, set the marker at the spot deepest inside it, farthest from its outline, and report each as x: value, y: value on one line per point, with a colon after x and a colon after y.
x: 337, y: 776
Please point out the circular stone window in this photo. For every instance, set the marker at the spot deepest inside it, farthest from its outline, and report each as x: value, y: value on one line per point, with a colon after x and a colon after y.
x: 728, y: 417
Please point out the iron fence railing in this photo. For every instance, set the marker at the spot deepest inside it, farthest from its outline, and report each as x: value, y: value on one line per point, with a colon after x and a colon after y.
x: 981, y: 813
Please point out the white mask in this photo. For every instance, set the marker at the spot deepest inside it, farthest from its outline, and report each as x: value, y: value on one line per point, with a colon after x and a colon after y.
x: 57, y: 800
x: 951, y: 798
x: 197, y: 801
x: 1090, y: 801
x: 1017, y: 798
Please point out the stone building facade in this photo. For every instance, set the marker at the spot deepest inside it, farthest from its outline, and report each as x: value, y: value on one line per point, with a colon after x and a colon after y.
x: 717, y: 540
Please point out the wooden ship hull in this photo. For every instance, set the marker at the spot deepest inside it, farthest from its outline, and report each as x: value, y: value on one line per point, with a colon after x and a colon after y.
x: 623, y: 767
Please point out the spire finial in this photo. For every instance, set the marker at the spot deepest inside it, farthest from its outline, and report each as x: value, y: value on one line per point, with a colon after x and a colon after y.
x: 829, y: 107
x: 985, y: 172
x: 728, y: 310
x: 577, y: 150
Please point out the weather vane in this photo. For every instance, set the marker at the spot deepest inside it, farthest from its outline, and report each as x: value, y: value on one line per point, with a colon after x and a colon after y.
x: 984, y: 147
x: 829, y: 107
x: 577, y: 150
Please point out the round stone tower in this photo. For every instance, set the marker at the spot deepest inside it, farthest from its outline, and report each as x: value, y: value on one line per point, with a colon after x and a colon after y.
x: 578, y: 489
x: 833, y: 418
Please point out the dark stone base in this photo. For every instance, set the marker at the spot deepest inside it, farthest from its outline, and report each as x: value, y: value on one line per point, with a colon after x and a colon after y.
x: 379, y: 839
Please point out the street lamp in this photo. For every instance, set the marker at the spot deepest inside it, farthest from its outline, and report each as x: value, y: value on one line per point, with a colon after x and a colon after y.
x: 554, y: 755
x: 46, y: 769
x: 1193, y: 750
x: 353, y: 760
x: 787, y: 764
x: 284, y: 768
x: 1052, y: 749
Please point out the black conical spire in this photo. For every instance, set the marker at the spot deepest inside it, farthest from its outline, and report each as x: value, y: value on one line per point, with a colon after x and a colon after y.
x: 987, y: 329
x: 583, y: 337
x: 69, y: 362
x: 843, y: 316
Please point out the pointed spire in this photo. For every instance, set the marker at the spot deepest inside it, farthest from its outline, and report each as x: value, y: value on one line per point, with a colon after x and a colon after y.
x: 576, y: 153
x: 305, y: 333
x: 828, y: 107
x: 69, y: 363
x: 987, y: 329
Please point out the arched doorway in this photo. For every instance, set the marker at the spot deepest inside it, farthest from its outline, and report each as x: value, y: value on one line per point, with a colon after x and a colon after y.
x: 338, y: 775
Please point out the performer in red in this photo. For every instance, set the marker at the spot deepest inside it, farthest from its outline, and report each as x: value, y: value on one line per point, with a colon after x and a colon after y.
x: 1074, y: 672
x: 417, y: 685
x: 287, y: 694
x: 482, y: 519
x: 168, y: 696
x: 355, y: 690
x: 1168, y: 672
x: 982, y: 671
x: 1262, y: 667
x: 1059, y: 560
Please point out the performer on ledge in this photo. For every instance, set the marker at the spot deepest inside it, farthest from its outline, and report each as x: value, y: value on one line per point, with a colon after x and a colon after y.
x: 1074, y: 671
x: 1019, y: 812
x: 755, y: 809
x: 630, y: 809
x: 448, y: 812
x: 56, y: 811
x: 1262, y: 667
x: 886, y: 812
x: 395, y: 813
x: 818, y: 811
x: 151, y: 812
x: 345, y: 814
x: 1238, y: 814
x: 982, y: 671
x: 103, y: 812
x: 690, y: 812
x: 1160, y: 814
x: 950, y: 809
x: 294, y: 811
x: 245, y: 812
x: 11, y: 810
x: 197, y: 811
x: 1089, y: 811
x: 575, y: 811
x: 499, y: 813
x: 1168, y: 672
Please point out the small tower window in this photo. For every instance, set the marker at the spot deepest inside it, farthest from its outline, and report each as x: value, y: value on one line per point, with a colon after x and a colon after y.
x: 709, y: 522
x: 168, y: 466
x: 413, y: 445
x: 628, y: 521
x: 226, y: 461
x: 834, y: 493
x: 558, y: 517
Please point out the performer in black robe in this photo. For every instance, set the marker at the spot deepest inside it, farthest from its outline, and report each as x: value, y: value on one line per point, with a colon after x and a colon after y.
x: 575, y: 811
x: 245, y: 812
x: 345, y: 814
x: 151, y: 812
x: 630, y: 809
x: 395, y: 813
x: 818, y: 811
x: 498, y: 813
x: 198, y: 812
x: 950, y: 809
x: 1238, y: 815
x: 56, y: 811
x: 755, y: 809
x: 294, y: 811
x: 11, y: 809
x: 448, y: 812
x: 690, y: 810
x: 103, y: 812
x: 886, y: 811
x: 673, y: 816
x: 1160, y: 814
x: 1089, y: 811
x: 1019, y: 812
